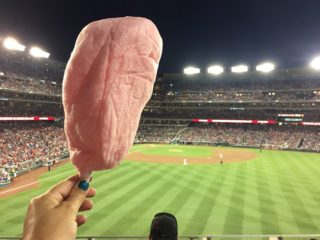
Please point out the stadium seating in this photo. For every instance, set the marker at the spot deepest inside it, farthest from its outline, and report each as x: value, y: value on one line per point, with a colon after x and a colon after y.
x: 273, y: 137
x: 22, y: 64
x: 25, y: 147
x: 30, y: 87
x: 21, y: 83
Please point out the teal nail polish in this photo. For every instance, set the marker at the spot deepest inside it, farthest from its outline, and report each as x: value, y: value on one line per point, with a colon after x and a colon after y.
x: 84, y: 185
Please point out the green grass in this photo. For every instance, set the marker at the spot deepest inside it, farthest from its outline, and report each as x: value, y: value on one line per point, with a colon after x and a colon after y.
x: 276, y: 193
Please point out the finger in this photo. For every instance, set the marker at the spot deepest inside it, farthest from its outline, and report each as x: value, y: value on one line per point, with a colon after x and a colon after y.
x: 81, y: 219
x: 86, y: 205
x: 61, y: 190
x: 91, y: 193
x: 77, y: 195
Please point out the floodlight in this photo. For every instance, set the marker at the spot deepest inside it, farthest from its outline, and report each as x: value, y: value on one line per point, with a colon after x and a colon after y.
x: 1, y: 73
x: 12, y: 44
x: 215, y: 70
x: 191, y: 70
x: 38, y: 53
x: 315, y: 63
x: 265, y: 67
x: 239, y: 69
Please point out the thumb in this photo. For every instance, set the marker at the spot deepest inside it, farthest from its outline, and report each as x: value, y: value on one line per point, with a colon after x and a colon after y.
x: 77, y: 195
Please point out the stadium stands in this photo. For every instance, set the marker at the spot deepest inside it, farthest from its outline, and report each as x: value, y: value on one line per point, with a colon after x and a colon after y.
x: 270, y: 137
x: 41, y: 143
x: 32, y: 87
x: 25, y: 147
x: 29, y: 86
x: 22, y: 64
x: 156, y: 134
x: 235, y: 95
x: 30, y: 108
x: 21, y: 83
x: 273, y: 137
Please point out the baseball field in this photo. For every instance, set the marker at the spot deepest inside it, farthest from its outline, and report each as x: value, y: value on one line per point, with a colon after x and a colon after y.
x: 211, y: 190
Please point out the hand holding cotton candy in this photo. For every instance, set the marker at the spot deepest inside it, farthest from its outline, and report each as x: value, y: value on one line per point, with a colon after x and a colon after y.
x: 108, y: 80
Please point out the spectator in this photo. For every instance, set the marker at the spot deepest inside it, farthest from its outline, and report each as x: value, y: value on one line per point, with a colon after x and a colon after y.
x: 164, y: 227
x: 22, y: 147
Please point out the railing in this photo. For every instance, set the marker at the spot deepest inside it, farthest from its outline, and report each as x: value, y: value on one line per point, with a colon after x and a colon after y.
x: 202, y: 237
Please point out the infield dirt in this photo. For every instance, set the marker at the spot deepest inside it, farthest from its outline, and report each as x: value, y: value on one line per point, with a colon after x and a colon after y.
x: 218, y: 155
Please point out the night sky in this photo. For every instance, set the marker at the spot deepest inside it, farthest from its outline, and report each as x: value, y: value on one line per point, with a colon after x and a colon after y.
x: 194, y: 32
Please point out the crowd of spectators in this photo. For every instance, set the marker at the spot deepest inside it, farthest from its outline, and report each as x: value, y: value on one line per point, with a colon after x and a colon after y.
x: 21, y: 108
x: 161, y: 134
x: 233, y: 112
x: 275, y: 137
x: 278, y: 137
x: 21, y: 148
x: 22, y: 63
x: 22, y: 83
x: 229, y: 95
x: 21, y: 72
x: 311, y: 141
x: 208, y: 134
x: 244, y: 84
x: 13, y: 95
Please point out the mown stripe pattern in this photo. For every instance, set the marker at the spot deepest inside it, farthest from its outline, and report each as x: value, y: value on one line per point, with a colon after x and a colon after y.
x: 278, y: 192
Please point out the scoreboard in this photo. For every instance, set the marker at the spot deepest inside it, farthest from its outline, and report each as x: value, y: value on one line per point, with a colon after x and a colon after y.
x: 290, y: 118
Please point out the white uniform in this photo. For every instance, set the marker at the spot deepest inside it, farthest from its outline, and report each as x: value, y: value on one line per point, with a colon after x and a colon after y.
x: 185, y: 162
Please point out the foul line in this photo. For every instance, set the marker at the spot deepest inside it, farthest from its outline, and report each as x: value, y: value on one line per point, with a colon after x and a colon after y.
x: 29, y: 184
x: 44, y: 180
x: 138, y: 150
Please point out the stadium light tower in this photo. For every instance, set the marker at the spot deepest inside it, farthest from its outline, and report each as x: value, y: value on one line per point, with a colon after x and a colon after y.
x: 239, y: 69
x: 12, y: 44
x: 215, y: 70
x: 38, y: 53
x: 265, y: 67
x: 191, y: 70
x: 315, y: 63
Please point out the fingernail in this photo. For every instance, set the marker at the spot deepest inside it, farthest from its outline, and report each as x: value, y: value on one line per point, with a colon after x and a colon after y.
x: 84, y: 185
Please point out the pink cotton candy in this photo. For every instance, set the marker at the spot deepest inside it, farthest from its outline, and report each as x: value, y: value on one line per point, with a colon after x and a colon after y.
x: 108, y: 80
